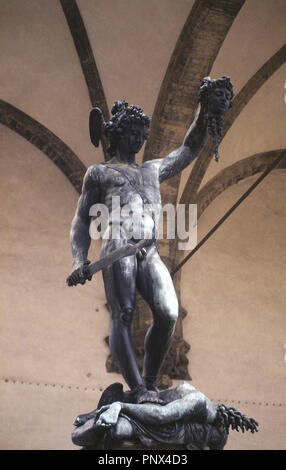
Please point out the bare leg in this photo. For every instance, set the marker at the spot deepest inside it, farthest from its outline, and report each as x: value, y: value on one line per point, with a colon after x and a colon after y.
x: 155, y: 285
x: 120, y: 287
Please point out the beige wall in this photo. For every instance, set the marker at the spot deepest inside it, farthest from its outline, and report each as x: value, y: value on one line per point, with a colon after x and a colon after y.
x: 50, y: 334
x: 234, y: 289
x: 52, y: 337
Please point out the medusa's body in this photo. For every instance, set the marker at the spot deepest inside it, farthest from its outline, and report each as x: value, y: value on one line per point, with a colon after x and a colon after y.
x: 186, y: 417
x: 151, y: 423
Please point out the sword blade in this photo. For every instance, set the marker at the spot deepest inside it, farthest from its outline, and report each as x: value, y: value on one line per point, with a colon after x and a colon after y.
x: 127, y: 250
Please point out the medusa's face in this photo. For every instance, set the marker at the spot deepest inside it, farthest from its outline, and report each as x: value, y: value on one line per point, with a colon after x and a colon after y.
x: 219, y: 100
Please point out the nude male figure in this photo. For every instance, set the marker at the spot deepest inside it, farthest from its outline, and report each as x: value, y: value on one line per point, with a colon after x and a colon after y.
x: 139, y: 187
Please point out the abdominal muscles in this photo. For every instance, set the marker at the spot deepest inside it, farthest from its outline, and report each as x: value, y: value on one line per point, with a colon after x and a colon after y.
x: 137, y: 219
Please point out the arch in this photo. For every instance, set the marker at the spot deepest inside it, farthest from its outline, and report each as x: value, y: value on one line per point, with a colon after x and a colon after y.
x: 265, y: 162
x: 42, y: 138
x: 234, y: 173
x: 196, y: 49
x: 87, y: 61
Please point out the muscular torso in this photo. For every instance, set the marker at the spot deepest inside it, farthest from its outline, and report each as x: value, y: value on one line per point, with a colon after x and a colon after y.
x: 137, y: 190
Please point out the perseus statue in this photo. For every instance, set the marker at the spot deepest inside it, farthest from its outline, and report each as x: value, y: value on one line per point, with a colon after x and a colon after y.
x: 138, y: 187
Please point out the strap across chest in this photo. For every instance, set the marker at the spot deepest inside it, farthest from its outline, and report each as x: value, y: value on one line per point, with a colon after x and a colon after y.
x: 132, y: 181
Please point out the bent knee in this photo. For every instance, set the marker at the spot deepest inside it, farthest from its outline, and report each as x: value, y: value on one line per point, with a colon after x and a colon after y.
x: 123, y: 317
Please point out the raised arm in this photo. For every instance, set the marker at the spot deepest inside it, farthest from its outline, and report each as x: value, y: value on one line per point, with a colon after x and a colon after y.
x: 79, y: 235
x: 215, y: 97
x: 192, y: 145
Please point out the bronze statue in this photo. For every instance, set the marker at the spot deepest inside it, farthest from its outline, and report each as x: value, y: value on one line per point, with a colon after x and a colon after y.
x: 130, y: 260
x: 138, y: 188
x: 186, y: 417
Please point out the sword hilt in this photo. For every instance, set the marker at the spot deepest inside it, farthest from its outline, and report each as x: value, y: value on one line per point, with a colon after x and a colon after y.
x: 79, y: 275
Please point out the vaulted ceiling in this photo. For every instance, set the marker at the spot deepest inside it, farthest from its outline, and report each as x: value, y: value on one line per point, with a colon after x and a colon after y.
x: 60, y: 58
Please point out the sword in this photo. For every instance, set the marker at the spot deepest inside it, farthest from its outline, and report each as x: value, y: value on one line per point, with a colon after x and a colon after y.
x: 89, y: 270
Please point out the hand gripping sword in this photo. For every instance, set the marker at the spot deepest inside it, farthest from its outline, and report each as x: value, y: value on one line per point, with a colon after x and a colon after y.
x: 127, y: 250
